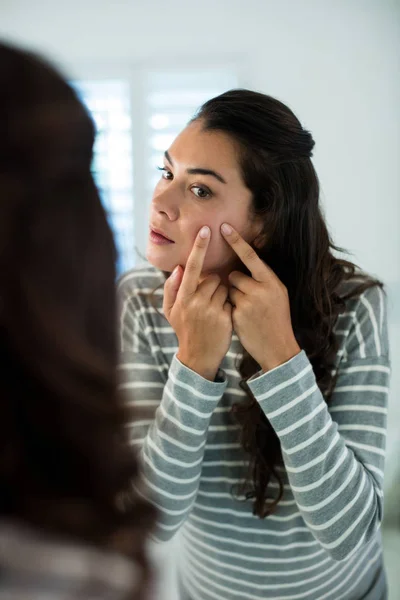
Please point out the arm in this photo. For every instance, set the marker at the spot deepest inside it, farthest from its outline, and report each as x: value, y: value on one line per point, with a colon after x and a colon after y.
x: 334, y: 455
x: 172, y: 410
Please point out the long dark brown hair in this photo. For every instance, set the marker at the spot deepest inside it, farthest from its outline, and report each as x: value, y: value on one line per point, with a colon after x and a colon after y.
x: 274, y: 152
x: 64, y: 462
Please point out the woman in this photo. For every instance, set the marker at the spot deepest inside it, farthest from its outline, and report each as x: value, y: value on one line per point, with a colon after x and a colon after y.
x: 68, y: 528
x: 272, y: 464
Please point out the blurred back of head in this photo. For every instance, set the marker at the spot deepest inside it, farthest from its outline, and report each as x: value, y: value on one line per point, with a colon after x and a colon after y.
x: 64, y: 463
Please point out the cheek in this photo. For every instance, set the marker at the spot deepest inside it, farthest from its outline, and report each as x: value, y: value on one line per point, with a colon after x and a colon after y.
x: 218, y: 247
x: 218, y: 251
x: 219, y: 254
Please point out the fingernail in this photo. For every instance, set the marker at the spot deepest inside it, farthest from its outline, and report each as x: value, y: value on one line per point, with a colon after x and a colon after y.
x: 175, y: 271
x: 204, y: 232
x: 226, y: 229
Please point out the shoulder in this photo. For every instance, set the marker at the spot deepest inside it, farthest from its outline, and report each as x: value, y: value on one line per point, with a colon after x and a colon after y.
x: 138, y: 285
x: 140, y: 297
x: 24, y: 550
x: 364, y: 319
x: 141, y: 279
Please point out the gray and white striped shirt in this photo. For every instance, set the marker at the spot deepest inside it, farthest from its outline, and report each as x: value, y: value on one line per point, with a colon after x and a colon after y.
x: 323, y: 541
x: 35, y: 565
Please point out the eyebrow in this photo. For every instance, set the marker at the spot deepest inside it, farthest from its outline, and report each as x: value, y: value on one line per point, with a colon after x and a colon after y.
x: 197, y: 170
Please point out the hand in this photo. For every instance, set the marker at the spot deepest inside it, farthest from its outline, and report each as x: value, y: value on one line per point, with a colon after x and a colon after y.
x: 200, y: 314
x: 261, y: 309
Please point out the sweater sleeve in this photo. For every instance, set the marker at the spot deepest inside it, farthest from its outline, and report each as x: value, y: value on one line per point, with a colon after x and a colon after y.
x: 334, y: 453
x: 171, y: 411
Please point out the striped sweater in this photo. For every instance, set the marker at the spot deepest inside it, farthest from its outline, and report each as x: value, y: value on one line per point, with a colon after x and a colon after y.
x: 37, y: 565
x: 323, y: 541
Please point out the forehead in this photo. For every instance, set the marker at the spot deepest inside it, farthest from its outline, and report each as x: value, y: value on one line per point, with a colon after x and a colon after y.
x: 195, y: 147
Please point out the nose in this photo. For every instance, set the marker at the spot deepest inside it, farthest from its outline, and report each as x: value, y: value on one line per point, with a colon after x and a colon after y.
x: 165, y: 202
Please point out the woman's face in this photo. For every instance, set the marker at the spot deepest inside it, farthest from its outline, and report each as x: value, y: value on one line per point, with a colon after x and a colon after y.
x: 201, y: 184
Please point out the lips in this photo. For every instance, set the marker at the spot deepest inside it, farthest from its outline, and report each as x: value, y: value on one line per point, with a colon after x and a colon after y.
x: 160, y: 232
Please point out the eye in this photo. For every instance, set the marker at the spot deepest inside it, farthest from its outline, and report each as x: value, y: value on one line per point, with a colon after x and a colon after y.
x: 201, y: 192
x: 165, y: 173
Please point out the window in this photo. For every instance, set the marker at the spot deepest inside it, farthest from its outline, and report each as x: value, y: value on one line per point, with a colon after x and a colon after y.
x: 137, y: 118
x: 109, y: 104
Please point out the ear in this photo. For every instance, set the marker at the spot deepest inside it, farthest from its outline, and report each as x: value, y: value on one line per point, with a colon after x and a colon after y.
x: 259, y: 241
x: 260, y: 237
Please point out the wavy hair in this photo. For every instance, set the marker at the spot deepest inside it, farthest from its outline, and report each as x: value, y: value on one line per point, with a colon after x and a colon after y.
x: 65, y: 465
x: 275, y: 158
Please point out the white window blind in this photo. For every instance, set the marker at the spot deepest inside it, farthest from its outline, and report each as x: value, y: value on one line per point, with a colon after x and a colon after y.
x: 109, y: 104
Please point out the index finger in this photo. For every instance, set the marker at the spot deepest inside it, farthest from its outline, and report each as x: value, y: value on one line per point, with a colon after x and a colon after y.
x: 194, y: 264
x: 245, y: 252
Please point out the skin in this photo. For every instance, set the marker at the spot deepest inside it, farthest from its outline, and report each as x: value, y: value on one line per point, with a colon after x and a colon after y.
x: 182, y: 202
x: 199, y: 312
x: 260, y: 307
x: 207, y: 298
x: 258, y: 310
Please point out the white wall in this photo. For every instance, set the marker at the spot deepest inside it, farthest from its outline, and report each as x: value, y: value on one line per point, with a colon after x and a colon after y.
x: 335, y: 62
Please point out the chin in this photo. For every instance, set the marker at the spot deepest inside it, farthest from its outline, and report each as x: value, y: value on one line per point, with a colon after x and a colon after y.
x: 158, y: 261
